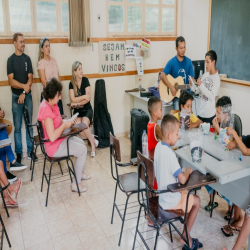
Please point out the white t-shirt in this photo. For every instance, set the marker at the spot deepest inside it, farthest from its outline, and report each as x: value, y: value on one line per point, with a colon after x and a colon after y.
x: 167, y: 169
x: 208, y: 90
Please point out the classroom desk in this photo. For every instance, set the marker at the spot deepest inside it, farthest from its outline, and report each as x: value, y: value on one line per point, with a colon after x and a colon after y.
x: 142, y: 103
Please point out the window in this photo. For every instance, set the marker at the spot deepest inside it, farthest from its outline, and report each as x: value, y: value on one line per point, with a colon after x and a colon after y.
x: 142, y: 17
x: 34, y: 17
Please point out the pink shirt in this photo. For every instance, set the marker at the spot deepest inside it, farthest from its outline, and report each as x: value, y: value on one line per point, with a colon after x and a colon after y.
x: 45, y: 111
x: 50, y: 68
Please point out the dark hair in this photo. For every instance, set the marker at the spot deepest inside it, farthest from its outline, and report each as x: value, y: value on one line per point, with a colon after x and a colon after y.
x: 212, y: 54
x: 168, y: 123
x: 185, y: 96
x: 53, y: 86
x: 42, y: 41
x: 223, y: 101
x: 179, y: 39
x: 16, y: 35
x: 151, y: 103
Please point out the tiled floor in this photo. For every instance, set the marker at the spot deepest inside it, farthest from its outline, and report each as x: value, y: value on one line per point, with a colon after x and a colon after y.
x: 73, y: 222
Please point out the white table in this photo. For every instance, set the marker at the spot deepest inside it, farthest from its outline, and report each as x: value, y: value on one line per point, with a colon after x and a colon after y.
x: 232, y: 174
x: 142, y: 103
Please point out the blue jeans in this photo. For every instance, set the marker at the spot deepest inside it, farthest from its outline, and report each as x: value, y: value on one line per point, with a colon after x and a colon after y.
x: 6, y: 150
x: 210, y: 191
x: 18, y: 111
x: 176, y: 103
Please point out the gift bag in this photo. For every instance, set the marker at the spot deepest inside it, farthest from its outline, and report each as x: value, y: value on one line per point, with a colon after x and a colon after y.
x: 196, y: 146
x: 227, y: 120
x: 184, y: 119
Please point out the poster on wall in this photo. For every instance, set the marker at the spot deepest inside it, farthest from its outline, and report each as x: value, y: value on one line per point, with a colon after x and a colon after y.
x: 139, y: 65
x: 112, y: 57
x: 130, y: 52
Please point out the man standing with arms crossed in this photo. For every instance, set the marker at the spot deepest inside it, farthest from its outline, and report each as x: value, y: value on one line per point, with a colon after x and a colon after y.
x: 180, y: 65
x: 20, y: 77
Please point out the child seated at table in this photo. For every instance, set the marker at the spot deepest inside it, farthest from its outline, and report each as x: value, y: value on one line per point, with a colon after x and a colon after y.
x: 153, y: 129
x: 168, y: 170
x: 185, y: 104
x: 221, y: 102
x: 237, y: 224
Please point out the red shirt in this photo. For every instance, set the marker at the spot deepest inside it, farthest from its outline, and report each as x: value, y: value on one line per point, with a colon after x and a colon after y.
x: 152, y: 141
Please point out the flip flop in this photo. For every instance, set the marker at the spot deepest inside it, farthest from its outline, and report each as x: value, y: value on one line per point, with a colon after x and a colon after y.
x: 11, y: 203
x: 234, y: 228
x: 209, y: 207
x: 19, y: 185
x: 195, y: 245
x: 227, y: 234
x: 227, y: 216
x: 153, y: 226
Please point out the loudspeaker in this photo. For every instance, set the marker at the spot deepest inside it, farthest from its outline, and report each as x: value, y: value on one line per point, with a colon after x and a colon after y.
x: 139, y: 122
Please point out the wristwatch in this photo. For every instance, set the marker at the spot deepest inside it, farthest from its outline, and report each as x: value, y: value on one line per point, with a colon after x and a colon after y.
x: 24, y: 92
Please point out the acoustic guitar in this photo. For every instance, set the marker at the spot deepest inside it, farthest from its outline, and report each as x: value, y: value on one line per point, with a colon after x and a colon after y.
x: 177, y: 83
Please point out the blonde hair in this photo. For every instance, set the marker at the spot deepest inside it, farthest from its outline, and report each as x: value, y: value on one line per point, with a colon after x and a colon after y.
x: 75, y: 66
x: 40, y: 53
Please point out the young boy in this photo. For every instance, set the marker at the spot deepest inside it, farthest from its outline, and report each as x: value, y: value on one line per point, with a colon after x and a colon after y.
x: 244, y: 145
x: 221, y: 102
x: 167, y: 171
x: 153, y: 129
x: 208, y: 87
x: 185, y: 102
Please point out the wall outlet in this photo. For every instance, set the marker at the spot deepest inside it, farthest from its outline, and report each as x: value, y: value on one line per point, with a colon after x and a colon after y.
x: 99, y: 17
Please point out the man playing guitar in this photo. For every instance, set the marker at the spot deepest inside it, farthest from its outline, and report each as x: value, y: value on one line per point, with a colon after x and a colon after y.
x: 180, y: 65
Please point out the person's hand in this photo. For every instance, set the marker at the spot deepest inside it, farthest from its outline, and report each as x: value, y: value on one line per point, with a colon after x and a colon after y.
x: 73, y: 104
x: 230, y: 131
x: 68, y: 124
x: 74, y: 122
x: 189, y: 170
x: 199, y: 82
x: 26, y: 88
x: 2, y: 114
x: 21, y: 99
x: 173, y: 91
x: 216, y: 124
x: 231, y: 145
x: 190, y: 125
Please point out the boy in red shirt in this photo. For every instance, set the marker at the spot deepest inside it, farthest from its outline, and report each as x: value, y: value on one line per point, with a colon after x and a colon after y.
x: 153, y: 129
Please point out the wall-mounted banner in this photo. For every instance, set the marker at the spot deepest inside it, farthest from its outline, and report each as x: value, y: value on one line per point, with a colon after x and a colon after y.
x: 111, y: 57
x: 130, y: 52
x: 139, y: 65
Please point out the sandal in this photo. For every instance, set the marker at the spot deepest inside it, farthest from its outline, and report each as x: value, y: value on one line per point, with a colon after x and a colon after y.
x: 195, y: 245
x: 227, y: 216
x: 234, y: 228
x: 228, y: 229
x: 18, y: 186
x: 74, y: 188
x: 11, y: 203
x: 92, y: 153
x: 96, y: 141
x: 85, y: 176
x: 209, y: 206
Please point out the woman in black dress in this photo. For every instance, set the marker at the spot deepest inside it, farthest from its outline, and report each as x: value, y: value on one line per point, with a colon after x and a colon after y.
x: 79, y: 93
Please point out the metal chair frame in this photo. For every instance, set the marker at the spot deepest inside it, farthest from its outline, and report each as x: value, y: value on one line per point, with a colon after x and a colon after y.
x: 4, y: 232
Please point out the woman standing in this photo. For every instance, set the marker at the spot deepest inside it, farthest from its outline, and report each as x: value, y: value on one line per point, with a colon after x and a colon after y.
x: 79, y: 93
x: 53, y: 128
x: 47, y: 66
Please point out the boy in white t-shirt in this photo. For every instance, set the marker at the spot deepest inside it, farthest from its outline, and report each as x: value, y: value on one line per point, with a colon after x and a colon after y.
x: 167, y: 171
x: 207, y: 87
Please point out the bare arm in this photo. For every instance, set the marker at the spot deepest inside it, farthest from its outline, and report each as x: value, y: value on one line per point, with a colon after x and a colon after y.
x: 183, y: 177
x: 158, y: 132
x: 81, y: 100
x: 241, y: 145
x: 167, y: 83
x: 195, y: 124
x: 54, y: 134
x: 42, y: 76
x: 17, y: 85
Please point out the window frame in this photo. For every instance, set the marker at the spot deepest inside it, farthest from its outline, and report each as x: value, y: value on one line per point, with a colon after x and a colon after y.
x: 35, y: 33
x: 143, y: 5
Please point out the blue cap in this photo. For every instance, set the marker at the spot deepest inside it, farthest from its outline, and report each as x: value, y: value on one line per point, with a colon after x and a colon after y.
x: 144, y: 131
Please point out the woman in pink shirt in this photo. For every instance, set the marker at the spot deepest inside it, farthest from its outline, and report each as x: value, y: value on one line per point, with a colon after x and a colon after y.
x: 47, y: 66
x: 53, y: 127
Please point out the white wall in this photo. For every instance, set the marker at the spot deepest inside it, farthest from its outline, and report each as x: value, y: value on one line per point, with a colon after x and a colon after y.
x: 119, y: 103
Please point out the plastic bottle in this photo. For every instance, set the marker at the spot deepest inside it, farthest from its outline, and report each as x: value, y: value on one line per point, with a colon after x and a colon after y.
x: 145, y: 143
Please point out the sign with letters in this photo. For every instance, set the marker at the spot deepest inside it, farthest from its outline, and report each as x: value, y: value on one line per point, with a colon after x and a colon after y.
x: 111, y: 57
